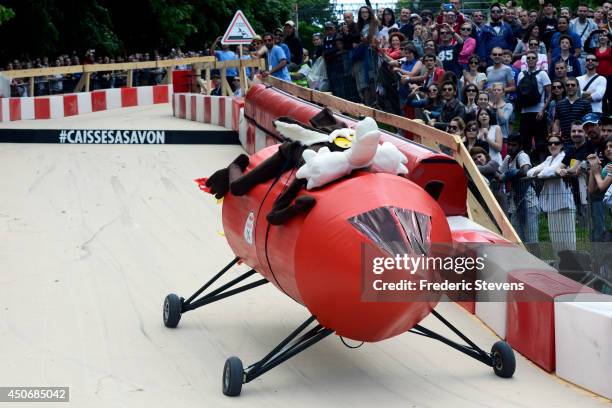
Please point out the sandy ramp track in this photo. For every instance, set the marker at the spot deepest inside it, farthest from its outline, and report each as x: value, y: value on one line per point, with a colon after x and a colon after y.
x: 94, y: 237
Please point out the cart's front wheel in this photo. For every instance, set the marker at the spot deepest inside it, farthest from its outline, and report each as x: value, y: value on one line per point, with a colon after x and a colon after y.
x: 233, y: 374
x: 504, y: 362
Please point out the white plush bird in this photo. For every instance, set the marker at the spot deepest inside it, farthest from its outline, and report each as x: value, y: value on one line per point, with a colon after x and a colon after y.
x: 325, y: 166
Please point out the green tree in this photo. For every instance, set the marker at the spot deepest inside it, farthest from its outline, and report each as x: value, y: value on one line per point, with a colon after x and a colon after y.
x: 5, y: 14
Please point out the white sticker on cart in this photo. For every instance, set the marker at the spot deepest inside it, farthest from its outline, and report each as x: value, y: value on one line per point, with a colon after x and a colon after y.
x: 248, y: 228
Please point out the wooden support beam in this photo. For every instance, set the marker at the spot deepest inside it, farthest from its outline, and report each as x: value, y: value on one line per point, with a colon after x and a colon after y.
x: 207, y: 78
x: 31, y: 84
x: 130, y: 77
x: 83, y: 84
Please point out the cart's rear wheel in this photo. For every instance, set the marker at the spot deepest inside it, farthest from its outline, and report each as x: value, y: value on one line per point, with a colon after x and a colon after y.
x: 172, y: 310
x: 504, y: 362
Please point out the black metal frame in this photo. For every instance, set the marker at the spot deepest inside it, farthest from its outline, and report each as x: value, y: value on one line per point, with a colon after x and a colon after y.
x: 221, y: 292
x: 471, y: 349
x: 284, y: 351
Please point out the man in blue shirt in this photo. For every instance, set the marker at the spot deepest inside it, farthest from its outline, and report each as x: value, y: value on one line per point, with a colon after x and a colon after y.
x: 277, y: 61
x: 563, y: 29
x: 278, y: 40
x: 225, y: 55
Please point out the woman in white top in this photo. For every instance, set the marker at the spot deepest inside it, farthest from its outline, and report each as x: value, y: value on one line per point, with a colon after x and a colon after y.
x: 490, y: 133
x: 387, y: 23
x: 556, y: 198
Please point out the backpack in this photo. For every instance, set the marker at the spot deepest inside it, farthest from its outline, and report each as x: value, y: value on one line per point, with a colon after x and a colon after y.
x: 527, y: 93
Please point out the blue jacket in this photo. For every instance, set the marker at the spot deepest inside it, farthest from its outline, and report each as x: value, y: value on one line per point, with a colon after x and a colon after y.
x: 573, y: 67
x: 489, y: 39
x: 555, y: 47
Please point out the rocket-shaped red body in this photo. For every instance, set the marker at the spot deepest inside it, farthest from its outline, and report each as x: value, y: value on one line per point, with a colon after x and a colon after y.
x: 317, y: 258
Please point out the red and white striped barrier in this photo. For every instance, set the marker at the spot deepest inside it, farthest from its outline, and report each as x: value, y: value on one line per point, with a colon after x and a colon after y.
x: 226, y: 111
x: 530, y: 327
x: 583, y: 336
x: 59, y: 106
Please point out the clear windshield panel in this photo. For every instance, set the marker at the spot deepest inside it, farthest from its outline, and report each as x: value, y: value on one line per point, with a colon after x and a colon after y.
x: 397, y: 231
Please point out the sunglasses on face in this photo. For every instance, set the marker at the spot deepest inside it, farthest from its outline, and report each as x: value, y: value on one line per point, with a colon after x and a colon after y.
x: 467, y: 29
x: 444, y: 33
x: 496, y: 55
x: 557, y: 87
x: 554, y: 143
x: 447, y: 89
x: 591, y: 60
x: 531, y: 58
x: 571, y: 85
x: 473, y: 62
x: 452, y: 128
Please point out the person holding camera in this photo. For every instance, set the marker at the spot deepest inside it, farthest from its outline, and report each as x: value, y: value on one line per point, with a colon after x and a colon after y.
x: 453, y: 6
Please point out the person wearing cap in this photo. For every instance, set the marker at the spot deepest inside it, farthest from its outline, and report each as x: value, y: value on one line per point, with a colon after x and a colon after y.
x: 523, y: 205
x: 295, y: 45
x: 278, y: 40
x: 591, y: 126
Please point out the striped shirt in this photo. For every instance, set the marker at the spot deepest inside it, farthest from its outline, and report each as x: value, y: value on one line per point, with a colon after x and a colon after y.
x: 566, y: 112
x: 555, y: 195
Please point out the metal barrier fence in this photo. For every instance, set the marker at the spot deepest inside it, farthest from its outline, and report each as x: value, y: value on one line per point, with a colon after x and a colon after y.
x: 560, y: 222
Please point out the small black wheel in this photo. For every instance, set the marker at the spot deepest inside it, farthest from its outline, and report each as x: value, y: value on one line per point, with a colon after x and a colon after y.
x: 504, y: 362
x: 172, y: 310
x: 233, y: 374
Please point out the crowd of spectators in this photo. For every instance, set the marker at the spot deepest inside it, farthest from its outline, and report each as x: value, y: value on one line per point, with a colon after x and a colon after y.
x: 528, y: 91
x: 58, y: 84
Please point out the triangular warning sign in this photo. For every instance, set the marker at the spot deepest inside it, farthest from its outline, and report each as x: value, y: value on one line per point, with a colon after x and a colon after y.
x: 239, y: 31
